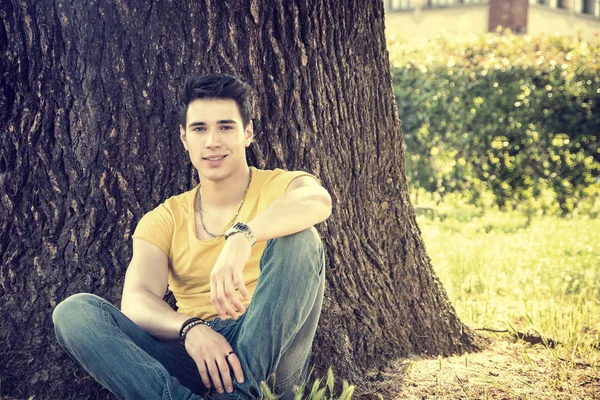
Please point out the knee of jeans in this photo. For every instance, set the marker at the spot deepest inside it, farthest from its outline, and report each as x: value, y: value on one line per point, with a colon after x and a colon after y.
x: 305, y: 244
x: 306, y: 240
x: 71, y: 307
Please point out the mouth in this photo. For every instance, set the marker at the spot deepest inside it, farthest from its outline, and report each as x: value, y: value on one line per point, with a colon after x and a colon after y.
x: 214, y: 158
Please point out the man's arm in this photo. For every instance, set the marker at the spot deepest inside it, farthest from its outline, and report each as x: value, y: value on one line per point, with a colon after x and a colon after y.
x: 143, y: 292
x: 144, y: 289
x: 304, y: 204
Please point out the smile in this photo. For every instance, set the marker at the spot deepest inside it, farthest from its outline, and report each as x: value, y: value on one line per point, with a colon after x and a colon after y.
x: 215, y: 158
x: 214, y: 161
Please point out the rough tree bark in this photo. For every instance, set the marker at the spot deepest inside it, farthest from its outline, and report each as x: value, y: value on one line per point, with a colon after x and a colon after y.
x: 88, y: 116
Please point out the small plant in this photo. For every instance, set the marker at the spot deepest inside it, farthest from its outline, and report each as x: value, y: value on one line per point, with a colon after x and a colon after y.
x: 317, y: 392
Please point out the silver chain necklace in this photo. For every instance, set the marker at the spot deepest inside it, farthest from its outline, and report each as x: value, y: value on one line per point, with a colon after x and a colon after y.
x: 236, y: 214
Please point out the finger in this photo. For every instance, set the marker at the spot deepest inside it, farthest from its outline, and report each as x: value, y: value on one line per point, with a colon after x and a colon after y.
x: 233, y: 298
x: 213, y: 291
x: 238, y: 281
x: 214, y: 374
x: 214, y: 298
x: 225, y: 374
x: 225, y: 304
x: 236, y: 366
x: 226, y: 289
x: 203, y: 373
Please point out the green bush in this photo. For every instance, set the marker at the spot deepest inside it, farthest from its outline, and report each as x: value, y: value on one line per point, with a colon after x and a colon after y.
x: 501, y: 112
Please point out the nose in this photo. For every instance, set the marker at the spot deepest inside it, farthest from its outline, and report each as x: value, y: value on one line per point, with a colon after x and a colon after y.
x: 212, y: 139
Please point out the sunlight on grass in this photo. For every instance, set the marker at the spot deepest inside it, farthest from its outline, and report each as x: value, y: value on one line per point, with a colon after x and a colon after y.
x: 539, y: 274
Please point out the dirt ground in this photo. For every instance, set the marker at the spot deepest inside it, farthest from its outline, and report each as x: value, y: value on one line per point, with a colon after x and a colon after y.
x: 505, y: 370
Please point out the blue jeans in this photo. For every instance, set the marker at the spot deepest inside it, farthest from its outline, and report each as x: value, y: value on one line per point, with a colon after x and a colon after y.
x: 273, y: 336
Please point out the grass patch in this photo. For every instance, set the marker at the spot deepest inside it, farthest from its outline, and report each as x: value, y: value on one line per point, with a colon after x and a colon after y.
x: 512, y: 270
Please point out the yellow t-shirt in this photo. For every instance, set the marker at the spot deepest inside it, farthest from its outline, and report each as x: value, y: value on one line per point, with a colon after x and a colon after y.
x: 170, y: 227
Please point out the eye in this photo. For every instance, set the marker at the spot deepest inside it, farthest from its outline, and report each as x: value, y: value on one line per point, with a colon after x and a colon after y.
x: 227, y: 127
x: 198, y: 129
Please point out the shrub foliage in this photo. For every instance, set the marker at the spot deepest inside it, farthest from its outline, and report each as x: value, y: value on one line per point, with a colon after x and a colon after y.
x: 511, y: 114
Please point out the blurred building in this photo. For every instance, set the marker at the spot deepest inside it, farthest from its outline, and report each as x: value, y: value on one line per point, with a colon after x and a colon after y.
x: 425, y: 18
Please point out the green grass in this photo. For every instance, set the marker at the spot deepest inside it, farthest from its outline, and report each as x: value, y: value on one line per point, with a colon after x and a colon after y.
x: 319, y: 390
x: 537, y: 273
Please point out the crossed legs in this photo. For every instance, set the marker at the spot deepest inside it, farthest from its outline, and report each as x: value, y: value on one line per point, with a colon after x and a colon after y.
x: 274, y: 335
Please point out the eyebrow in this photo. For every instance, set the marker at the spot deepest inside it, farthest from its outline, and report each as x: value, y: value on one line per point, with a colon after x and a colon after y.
x: 219, y: 122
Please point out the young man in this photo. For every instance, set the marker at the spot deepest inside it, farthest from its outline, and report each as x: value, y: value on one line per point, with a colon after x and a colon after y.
x: 242, y: 258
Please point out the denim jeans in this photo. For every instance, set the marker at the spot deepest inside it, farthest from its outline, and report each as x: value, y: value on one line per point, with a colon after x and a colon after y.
x: 273, y: 336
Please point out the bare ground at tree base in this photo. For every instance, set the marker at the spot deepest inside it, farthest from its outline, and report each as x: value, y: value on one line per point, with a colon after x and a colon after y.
x: 504, y: 370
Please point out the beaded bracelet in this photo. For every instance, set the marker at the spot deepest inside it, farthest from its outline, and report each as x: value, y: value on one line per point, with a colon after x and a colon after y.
x: 187, y: 322
x: 187, y: 325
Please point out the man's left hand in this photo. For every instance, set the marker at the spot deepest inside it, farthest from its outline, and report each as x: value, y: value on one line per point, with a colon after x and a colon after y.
x: 227, y: 275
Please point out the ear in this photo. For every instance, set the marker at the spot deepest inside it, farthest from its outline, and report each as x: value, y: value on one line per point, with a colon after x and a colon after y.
x: 182, y: 137
x: 249, y: 133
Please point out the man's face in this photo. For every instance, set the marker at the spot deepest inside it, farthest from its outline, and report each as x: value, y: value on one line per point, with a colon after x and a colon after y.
x: 215, y: 138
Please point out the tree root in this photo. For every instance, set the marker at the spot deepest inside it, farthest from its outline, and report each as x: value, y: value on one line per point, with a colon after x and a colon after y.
x: 526, y: 337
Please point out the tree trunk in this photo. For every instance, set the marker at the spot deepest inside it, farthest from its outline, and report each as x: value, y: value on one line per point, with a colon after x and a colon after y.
x: 88, y: 114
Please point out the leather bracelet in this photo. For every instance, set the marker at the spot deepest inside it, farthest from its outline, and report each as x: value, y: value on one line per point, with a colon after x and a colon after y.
x: 187, y: 325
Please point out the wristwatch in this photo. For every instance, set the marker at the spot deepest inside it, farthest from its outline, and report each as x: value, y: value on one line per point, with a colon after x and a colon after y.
x: 241, y: 227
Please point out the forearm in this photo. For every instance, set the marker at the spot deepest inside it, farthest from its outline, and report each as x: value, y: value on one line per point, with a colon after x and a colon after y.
x: 153, y: 315
x: 294, y: 211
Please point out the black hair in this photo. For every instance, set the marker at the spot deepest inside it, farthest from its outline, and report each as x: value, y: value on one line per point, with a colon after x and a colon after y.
x: 217, y: 86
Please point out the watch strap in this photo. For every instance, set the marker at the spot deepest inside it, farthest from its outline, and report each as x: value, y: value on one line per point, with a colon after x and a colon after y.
x: 240, y: 227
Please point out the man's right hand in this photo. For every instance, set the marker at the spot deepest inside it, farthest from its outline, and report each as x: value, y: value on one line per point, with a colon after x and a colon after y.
x: 209, y: 350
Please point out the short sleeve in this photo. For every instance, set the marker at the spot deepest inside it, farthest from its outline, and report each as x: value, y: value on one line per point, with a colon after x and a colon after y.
x: 156, y: 227
x: 278, y: 183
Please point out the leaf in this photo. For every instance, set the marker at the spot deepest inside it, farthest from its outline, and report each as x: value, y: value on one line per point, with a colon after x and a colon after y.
x: 330, y: 382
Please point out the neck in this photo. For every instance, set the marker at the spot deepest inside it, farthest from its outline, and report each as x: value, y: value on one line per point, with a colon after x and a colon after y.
x: 225, y: 192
